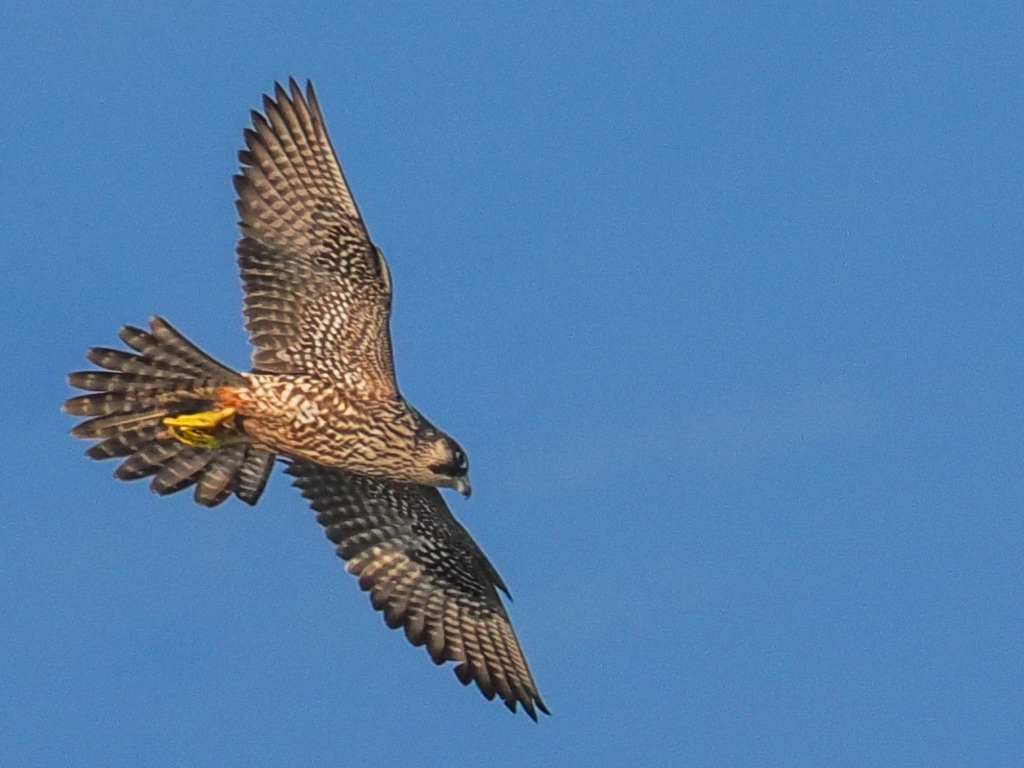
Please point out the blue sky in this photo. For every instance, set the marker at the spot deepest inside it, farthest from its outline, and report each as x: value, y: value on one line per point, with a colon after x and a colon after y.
x: 723, y: 300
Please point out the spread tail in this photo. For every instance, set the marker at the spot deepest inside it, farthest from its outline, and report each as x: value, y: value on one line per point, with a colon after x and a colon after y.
x: 168, y: 377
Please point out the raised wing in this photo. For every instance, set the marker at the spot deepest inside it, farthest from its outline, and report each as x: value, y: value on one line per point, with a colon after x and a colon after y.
x: 317, y: 291
x: 425, y: 573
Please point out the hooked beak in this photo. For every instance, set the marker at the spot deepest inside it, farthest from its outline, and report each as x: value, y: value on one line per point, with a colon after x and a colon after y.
x: 462, y: 486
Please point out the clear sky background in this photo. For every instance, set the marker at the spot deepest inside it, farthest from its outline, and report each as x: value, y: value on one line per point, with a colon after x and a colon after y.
x: 723, y: 299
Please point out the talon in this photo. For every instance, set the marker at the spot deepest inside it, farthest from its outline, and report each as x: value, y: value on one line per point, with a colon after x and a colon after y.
x: 198, y: 429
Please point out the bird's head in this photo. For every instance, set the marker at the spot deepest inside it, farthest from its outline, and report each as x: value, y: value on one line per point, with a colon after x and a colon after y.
x: 449, y: 465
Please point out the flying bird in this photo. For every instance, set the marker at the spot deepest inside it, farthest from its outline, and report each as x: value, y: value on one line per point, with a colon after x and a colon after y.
x: 322, y: 398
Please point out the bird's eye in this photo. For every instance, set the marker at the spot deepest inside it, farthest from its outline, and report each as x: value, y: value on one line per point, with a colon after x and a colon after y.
x: 460, y: 460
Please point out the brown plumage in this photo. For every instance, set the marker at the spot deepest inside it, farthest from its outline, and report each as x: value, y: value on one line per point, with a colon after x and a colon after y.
x: 323, y: 396
x: 425, y: 572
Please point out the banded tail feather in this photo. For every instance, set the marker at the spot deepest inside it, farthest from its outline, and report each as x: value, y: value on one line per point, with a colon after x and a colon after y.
x: 165, y: 376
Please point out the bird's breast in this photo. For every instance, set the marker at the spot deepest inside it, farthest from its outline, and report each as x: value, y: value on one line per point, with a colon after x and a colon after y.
x: 309, y: 417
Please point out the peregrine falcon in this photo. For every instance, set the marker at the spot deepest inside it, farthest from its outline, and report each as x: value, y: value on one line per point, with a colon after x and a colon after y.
x: 322, y: 398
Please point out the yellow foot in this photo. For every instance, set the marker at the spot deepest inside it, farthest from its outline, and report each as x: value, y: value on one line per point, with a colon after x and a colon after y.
x: 198, y: 429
